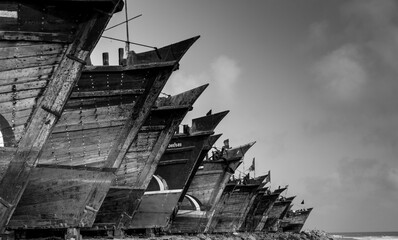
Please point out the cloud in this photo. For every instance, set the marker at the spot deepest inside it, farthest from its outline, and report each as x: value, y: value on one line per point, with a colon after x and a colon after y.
x: 226, y: 73
x: 341, y: 73
x: 378, y: 13
x: 355, y: 195
x: 368, y: 176
x: 360, y: 54
x: 353, y: 83
x: 222, y: 74
x: 354, y: 69
x: 181, y: 81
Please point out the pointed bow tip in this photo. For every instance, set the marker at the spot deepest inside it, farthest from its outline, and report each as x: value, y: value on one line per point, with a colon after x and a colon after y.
x: 216, y: 136
x: 195, y: 93
x: 203, y: 87
x: 213, y: 139
x: 222, y: 114
x: 191, y: 40
x: 196, y: 37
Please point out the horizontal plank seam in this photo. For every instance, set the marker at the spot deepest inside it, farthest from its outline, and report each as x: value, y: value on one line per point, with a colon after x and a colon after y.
x: 83, y: 168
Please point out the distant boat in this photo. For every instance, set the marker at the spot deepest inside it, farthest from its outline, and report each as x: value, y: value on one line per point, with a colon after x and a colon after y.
x: 270, y: 223
x: 102, y: 117
x: 261, y: 206
x: 232, y: 208
x: 206, y: 189
x: 171, y: 176
x: 44, y: 46
x: 295, y: 220
x: 142, y: 158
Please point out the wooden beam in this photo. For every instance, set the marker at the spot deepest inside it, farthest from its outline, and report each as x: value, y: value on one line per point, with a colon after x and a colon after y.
x: 107, y: 93
x: 35, y: 36
x: 15, y: 180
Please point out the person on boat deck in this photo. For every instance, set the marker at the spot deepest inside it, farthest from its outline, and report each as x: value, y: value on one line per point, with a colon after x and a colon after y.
x: 217, y: 154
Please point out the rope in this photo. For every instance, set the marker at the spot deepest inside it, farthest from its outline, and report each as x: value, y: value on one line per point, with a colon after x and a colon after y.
x: 123, y: 22
x: 134, y: 43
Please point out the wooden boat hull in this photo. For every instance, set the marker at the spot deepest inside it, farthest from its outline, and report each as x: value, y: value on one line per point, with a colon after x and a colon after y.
x: 88, y: 137
x: 232, y: 208
x: 261, y: 206
x: 270, y: 222
x: 141, y: 160
x: 294, y: 221
x: 40, y: 42
x: 189, y: 221
x: 117, y: 205
x: 47, y: 206
x: 183, y: 157
x: 205, y: 189
x: 158, y: 217
x: 155, y: 209
x: 192, y: 219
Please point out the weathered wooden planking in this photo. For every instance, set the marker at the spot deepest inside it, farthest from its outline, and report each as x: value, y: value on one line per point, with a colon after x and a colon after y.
x: 141, y: 160
x: 79, y: 147
x: 209, y: 181
x: 154, y: 210
x: 231, y: 208
x: 204, y: 154
x: 270, y: 221
x: 44, y: 116
x: 192, y: 147
x: 184, y: 159
x: 261, y: 206
x: 117, y: 206
x: 10, y: 97
x: 137, y: 118
x: 99, y: 188
x: 26, y: 62
x: 21, y: 87
x: 93, y: 115
x: 7, y: 153
x: 118, y: 80
x: 52, y: 195
x: 23, y: 104
x: 233, y: 158
x: 31, y: 50
x: 28, y: 17
x: 295, y: 220
x: 136, y: 158
x: 87, y: 103
x: 206, y: 188
x: 189, y: 221
x: 190, y: 217
x: 27, y: 74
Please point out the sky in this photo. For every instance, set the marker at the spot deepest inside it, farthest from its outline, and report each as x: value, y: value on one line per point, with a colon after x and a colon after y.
x: 312, y: 82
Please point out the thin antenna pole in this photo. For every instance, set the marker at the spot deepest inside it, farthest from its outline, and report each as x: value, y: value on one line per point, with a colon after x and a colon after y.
x: 123, y: 22
x: 127, y: 29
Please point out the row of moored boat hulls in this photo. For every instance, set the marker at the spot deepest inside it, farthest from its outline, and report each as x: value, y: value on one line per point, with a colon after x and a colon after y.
x: 94, y: 148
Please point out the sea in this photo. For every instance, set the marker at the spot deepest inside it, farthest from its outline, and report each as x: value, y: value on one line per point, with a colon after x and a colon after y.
x: 365, y: 236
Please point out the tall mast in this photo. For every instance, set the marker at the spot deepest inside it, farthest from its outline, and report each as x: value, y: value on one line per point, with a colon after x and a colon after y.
x: 127, y: 29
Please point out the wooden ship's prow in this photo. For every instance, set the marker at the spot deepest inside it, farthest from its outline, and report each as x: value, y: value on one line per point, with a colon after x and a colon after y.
x: 206, y: 188
x: 45, y: 45
x: 295, y: 220
x: 182, y: 156
x: 142, y: 158
x: 105, y: 112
